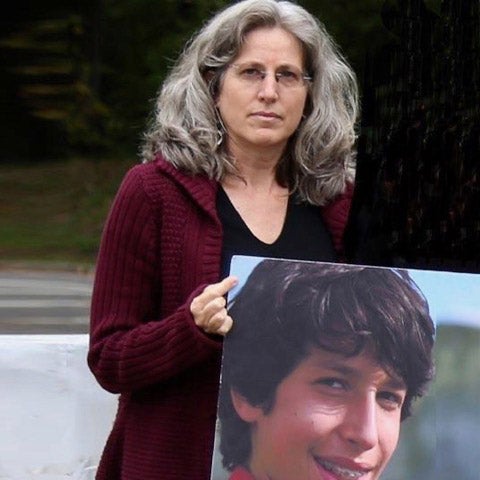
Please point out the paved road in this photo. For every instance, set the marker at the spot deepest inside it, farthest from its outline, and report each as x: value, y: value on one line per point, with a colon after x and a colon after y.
x: 44, y: 302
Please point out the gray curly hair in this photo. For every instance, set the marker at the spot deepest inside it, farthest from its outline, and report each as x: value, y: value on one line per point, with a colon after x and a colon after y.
x: 319, y: 158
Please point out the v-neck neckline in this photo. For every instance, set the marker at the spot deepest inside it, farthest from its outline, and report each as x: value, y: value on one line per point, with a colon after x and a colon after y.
x: 244, y: 225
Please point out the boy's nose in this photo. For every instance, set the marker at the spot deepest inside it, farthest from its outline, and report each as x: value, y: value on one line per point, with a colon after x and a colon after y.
x: 360, y: 425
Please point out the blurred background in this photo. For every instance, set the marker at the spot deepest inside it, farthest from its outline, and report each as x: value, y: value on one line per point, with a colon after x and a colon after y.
x: 77, y: 84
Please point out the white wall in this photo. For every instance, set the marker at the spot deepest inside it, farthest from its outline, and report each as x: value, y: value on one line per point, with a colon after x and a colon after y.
x: 54, y: 417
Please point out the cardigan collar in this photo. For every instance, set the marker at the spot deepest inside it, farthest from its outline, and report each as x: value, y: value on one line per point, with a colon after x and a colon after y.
x: 201, y: 188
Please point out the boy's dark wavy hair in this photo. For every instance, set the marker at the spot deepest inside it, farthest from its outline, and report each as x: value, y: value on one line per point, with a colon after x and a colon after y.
x: 286, y: 308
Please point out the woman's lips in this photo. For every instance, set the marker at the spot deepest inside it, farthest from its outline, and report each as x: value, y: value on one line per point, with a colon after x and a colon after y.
x: 266, y: 115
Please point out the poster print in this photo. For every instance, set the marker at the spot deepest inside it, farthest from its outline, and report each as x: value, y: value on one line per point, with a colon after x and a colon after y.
x: 281, y: 408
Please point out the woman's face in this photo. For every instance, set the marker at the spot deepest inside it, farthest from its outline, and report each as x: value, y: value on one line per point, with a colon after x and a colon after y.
x: 333, y: 418
x: 263, y: 93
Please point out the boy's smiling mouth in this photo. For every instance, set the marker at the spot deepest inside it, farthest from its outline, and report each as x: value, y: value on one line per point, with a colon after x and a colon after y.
x: 342, y: 473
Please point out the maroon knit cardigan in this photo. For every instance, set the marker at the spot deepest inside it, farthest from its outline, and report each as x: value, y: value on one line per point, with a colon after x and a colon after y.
x: 161, y: 245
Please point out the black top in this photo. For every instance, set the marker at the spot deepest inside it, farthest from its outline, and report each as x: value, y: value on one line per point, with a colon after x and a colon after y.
x: 303, y: 236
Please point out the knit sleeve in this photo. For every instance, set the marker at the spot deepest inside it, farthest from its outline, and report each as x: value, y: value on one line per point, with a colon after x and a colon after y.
x: 335, y: 215
x: 129, y: 347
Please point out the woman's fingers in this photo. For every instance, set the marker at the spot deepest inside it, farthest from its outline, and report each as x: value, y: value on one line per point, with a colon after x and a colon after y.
x: 208, y: 308
x: 214, y: 323
x: 225, y: 326
x: 219, y: 289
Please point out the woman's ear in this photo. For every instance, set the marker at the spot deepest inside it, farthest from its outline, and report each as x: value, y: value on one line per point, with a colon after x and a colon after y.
x: 245, y: 410
x: 209, y: 77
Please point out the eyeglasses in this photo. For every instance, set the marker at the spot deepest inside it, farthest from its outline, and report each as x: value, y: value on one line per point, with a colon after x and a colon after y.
x: 252, y: 74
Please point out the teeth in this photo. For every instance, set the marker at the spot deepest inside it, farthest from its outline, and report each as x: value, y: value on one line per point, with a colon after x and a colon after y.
x: 342, y: 472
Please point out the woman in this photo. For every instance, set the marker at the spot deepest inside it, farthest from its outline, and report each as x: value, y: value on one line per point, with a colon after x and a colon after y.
x: 249, y: 153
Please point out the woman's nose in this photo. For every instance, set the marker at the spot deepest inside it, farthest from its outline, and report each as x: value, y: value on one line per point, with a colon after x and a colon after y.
x: 269, y: 88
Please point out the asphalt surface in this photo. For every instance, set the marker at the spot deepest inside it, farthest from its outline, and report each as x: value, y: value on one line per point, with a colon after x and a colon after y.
x: 38, y: 302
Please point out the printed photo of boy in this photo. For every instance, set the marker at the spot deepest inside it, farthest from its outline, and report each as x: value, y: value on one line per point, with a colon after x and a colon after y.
x: 320, y: 369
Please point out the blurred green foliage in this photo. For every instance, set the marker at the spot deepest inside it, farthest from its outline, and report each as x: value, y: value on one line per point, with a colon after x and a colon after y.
x: 80, y: 77
x: 55, y: 211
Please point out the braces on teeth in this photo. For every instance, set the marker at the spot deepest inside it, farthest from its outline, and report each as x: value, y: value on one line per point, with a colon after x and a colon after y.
x: 345, y: 473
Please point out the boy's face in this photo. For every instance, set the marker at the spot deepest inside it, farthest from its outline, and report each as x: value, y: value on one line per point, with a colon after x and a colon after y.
x: 333, y: 418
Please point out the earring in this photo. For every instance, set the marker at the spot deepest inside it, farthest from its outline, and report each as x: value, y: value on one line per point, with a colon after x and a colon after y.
x: 219, y: 136
x: 221, y: 130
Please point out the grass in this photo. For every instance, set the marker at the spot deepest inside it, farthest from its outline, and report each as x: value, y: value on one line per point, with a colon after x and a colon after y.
x: 53, y: 212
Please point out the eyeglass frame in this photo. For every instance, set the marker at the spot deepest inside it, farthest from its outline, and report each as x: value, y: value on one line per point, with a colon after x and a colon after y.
x: 304, y: 78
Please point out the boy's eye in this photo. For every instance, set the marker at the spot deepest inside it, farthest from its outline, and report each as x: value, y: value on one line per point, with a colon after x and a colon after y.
x: 332, y: 382
x: 391, y: 400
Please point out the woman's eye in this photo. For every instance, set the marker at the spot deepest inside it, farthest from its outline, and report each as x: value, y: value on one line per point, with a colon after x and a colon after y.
x: 288, y: 77
x: 251, y: 73
x: 288, y: 74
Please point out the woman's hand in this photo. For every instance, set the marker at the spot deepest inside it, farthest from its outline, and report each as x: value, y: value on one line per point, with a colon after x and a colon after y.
x: 209, y: 308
